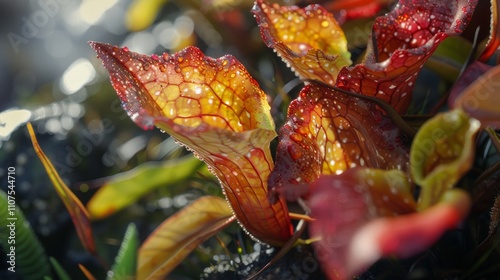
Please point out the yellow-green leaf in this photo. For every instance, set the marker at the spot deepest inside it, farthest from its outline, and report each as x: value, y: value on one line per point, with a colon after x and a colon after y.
x: 126, y: 259
x: 180, y: 234
x: 310, y: 40
x: 77, y: 211
x: 125, y: 188
x: 442, y: 151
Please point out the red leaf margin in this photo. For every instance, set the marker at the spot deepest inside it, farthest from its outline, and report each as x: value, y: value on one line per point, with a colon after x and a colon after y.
x: 404, y: 39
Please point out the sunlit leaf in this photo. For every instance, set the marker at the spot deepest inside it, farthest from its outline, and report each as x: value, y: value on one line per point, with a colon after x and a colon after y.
x: 328, y: 132
x: 125, y: 188
x: 481, y: 98
x: 441, y: 152
x: 77, y: 211
x: 215, y: 108
x: 309, y: 40
x: 180, y: 234
x: 404, y: 40
x: 353, y: 235
x: 126, y: 259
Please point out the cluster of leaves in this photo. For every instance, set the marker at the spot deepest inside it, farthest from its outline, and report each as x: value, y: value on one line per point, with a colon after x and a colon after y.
x: 366, y: 191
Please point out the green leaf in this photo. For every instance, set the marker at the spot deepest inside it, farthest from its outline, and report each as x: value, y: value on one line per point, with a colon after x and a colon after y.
x: 77, y: 211
x: 60, y: 272
x: 180, y: 234
x: 126, y: 260
x: 125, y: 188
x: 442, y: 151
x: 18, y: 240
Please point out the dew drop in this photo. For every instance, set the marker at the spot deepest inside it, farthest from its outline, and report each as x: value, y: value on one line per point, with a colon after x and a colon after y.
x: 125, y: 49
x: 165, y: 56
x: 294, y: 152
x: 296, y: 137
x: 155, y: 57
x: 325, y: 24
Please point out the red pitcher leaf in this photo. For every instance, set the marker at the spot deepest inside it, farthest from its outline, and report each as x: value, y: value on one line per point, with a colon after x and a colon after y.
x: 328, y: 132
x: 352, y: 237
x: 494, y: 39
x: 481, y: 97
x: 441, y: 152
x: 215, y: 108
x: 405, y: 38
x: 309, y: 40
x: 180, y: 234
x: 78, y: 213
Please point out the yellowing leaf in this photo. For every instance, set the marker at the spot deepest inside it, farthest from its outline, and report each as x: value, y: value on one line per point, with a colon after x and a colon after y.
x: 180, y: 234
x: 309, y: 40
x: 216, y: 109
x: 77, y: 211
x: 442, y: 151
x: 125, y: 188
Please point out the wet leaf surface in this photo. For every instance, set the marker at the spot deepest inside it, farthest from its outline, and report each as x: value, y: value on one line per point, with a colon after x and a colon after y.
x: 217, y: 110
x: 404, y: 40
x: 309, y: 40
x: 328, y: 132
